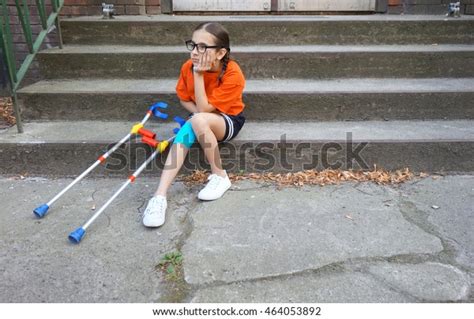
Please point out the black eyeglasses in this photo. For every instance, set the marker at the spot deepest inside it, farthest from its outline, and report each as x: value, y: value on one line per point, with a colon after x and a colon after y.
x: 201, y: 47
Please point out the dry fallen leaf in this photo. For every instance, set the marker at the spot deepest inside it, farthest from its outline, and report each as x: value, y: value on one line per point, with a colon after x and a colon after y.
x: 6, y: 111
x: 313, y: 177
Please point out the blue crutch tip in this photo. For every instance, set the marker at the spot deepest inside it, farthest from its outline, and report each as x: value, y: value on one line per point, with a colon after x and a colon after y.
x: 76, y: 236
x: 157, y: 113
x: 161, y: 105
x: 179, y: 120
x: 40, y: 211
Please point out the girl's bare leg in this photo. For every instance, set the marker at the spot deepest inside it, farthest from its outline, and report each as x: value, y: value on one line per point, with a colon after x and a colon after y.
x: 173, y: 164
x: 209, y: 128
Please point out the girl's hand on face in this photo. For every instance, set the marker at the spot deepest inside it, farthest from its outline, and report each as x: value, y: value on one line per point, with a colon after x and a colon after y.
x: 205, y: 63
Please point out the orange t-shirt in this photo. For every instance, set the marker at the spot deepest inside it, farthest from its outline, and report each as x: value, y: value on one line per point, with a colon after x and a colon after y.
x: 226, y: 97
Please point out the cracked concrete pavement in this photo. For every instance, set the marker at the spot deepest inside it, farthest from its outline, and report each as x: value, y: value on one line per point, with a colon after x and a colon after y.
x: 352, y: 242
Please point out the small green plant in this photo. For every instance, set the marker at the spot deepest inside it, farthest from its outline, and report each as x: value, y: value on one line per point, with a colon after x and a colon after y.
x: 170, y: 264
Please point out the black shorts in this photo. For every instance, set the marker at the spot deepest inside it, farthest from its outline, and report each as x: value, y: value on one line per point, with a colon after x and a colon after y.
x: 233, y: 124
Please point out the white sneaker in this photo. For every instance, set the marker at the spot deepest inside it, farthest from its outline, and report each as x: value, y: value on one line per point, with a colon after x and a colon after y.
x: 155, y: 212
x: 216, y: 187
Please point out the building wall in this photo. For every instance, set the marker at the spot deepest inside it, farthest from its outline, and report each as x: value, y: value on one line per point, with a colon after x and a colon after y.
x: 20, y: 45
x: 427, y: 6
x: 122, y: 7
x: 134, y: 7
x: 71, y: 8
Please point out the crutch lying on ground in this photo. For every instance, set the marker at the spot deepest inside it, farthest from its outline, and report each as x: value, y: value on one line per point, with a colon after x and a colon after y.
x: 148, y: 138
x: 41, y: 210
x: 184, y: 134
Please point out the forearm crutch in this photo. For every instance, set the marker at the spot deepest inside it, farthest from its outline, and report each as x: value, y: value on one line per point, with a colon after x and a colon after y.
x: 41, y: 210
x: 76, y: 236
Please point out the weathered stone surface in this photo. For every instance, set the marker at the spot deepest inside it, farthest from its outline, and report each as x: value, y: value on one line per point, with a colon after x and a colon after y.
x: 68, y: 148
x: 283, y: 100
x: 428, y: 282
x: 262, y: 233
x: 384, y: 282
x: 301, y: 62
x: 115, y: 262
x: 291, y: 30
x: 345, y: 243
x: 308, y: 288
x: 446, y: 205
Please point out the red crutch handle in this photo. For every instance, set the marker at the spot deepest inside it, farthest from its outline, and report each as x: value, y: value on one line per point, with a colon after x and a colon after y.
x: 147, y: 133
x: 150, y: 141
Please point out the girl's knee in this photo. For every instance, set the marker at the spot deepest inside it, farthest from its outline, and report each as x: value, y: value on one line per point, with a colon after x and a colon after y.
x: 185, y: 135
x: 199, y: 121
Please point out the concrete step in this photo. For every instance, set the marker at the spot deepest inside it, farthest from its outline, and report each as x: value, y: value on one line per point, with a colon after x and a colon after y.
x: 262, y: 30
x: 281, y: 100
x: 67, y: 148
x: 307, y: 61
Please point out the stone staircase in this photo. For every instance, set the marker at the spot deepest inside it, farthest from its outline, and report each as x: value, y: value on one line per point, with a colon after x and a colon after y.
x: 322, y: 91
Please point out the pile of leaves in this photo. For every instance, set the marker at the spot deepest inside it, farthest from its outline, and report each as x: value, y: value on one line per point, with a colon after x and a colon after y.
x: 314, y: 177
x: 6, y: 111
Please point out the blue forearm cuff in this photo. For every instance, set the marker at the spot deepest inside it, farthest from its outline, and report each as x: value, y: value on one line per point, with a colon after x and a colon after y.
x: 185, y: 135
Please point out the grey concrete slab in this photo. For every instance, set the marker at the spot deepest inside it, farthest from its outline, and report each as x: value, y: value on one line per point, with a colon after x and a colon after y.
x: 98, y: 131
x: 115, y: 262
x: 419, y: 277
x: 431, y: 282
x: 167, y: 86
x: 261, y: 106
x: 382, y: 282
x: 303, y: 62
x: 264, y: 233
x: 447, y: 207
x: 289, y: 100
x: 339, y: 287
x: 244, y: 30
x: 341, y: 243
x: 106, y: 49
x: 68, y: 148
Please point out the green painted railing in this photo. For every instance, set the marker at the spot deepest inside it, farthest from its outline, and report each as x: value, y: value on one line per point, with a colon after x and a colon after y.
x: 6, y: 38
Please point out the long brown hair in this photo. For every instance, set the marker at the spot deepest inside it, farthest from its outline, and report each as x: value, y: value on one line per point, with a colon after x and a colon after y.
x: 222, y: 40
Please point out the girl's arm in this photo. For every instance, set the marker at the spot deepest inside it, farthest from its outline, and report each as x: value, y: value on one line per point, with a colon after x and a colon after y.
x: 189, y: 106
x: 202, y: 103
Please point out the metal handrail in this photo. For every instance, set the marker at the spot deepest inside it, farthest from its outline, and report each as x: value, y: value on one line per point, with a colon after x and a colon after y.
x: 6, y: 41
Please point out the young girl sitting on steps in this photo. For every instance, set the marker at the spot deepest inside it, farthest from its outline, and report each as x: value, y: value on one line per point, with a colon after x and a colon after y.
x: 210, y: 86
